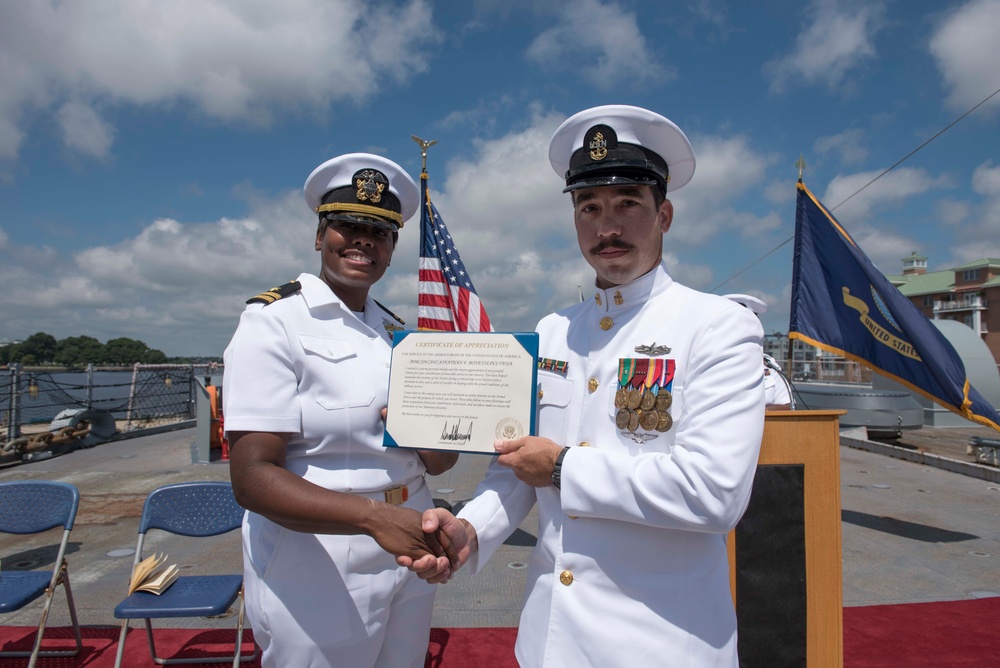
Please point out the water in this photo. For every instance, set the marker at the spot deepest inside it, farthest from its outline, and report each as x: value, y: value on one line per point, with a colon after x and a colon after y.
x: 157, y: 393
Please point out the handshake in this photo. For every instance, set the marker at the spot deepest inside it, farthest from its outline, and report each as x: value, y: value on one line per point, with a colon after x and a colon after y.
x: 445, y: 545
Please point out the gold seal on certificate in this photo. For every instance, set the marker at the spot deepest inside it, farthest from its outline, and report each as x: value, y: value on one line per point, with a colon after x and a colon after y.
x: 461, y: 390
x: 509, y: 428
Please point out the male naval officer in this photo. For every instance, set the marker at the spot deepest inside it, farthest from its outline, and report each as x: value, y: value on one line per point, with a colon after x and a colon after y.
x: 776, y: 394
x: 651, y: 412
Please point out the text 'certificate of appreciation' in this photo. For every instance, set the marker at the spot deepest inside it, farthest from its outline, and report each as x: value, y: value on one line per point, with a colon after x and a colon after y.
x: 461, y: 390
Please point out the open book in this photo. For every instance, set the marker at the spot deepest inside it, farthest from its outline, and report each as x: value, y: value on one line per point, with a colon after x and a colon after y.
x: 153, y: 574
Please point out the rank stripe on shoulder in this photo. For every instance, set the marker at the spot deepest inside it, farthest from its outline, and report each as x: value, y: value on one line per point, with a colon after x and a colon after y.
x: 394, y: 316
x: 274, y: 294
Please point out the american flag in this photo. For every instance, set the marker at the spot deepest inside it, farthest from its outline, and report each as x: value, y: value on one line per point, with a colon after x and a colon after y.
x: 447, y: 300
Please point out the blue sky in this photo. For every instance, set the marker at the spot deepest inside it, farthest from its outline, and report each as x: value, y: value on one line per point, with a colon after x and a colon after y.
x: 152, y: 154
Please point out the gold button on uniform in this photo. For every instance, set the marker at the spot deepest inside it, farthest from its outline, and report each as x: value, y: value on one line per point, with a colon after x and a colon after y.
x: 540, y: 394
x: 584, y: 444
x: 592, y: 385
x: 607, y: 323
x: 566, y: 577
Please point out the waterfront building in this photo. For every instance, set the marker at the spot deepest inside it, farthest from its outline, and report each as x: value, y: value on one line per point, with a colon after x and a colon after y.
x: 962, y: 293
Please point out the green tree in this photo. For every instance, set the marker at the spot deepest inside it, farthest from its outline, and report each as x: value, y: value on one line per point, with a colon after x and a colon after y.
x: 124, y: 351
x: 40, y: 346
x: 79, y: 351
x: 153, y: 356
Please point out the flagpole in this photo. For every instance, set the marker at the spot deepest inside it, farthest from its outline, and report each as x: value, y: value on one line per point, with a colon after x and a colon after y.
x: 424, y: 145
x: 800, y: 164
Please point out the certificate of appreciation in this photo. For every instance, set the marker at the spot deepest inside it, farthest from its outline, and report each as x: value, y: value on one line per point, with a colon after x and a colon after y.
x: 461, y: 390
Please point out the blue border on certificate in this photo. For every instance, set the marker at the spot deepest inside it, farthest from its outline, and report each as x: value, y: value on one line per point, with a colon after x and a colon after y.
x: 527, y: 340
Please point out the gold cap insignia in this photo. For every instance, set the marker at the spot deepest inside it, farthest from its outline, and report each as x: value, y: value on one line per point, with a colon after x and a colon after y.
x: 598, y: 147
x: 370, y: 184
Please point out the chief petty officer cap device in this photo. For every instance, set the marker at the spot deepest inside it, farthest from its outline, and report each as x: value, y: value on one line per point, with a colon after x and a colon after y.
x: 362, y: 188
x: 618, y: 144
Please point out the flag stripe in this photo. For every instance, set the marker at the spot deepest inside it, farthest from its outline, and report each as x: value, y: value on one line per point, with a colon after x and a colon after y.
x: 446, y: 300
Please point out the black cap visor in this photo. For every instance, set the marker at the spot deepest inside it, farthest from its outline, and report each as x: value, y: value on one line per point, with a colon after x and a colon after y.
x: 614, y: 175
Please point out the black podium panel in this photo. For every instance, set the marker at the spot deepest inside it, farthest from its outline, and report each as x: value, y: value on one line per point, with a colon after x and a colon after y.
x: 771, y: 570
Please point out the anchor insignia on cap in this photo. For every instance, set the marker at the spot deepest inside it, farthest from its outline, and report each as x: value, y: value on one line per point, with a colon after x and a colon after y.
x: 370, y: 183
x: 598, y: 147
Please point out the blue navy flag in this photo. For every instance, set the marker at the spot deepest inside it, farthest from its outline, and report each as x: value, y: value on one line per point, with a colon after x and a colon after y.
x: 843, y: 304
x: 446, y: 299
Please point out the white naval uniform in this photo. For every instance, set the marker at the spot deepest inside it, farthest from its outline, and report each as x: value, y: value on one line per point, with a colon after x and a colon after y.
x: 630, y: 568
x: 306, y: 365
x: 775, y: 390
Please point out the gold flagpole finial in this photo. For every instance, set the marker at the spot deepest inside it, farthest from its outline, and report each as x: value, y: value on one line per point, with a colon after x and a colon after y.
x: 424, y: 145
x: 801, y: 164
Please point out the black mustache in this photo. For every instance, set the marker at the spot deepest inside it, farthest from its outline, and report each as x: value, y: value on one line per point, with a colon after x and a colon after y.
x: 612, y: 243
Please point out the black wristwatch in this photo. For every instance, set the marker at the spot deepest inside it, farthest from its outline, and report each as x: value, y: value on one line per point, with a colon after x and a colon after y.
x: 557, y: 469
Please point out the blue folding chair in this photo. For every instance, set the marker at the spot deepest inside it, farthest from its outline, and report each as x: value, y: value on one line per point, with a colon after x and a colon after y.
x: 195, y: 509
x: 28, y: 507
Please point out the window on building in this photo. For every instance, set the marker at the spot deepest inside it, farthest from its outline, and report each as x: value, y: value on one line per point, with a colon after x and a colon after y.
x: 970, y: 275
x: 928, y: 300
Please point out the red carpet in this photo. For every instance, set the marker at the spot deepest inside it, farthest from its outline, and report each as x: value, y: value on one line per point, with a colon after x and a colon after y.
x: 951, y: 634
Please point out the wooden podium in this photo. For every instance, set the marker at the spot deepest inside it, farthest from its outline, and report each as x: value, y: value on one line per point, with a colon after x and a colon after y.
x: 785, y: 554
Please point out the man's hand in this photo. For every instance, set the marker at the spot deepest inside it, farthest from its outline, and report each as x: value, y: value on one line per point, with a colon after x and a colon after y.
x: 457, y: 536
x: 532, y: 458
x: 398, y: 531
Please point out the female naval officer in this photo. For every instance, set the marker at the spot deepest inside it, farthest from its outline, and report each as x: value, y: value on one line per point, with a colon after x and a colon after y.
x: 305, y: 386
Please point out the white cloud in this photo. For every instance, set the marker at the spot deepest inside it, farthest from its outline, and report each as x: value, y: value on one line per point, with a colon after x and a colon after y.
x: 849, y: 145
x: 230, y: 60
x: 893, y: 188
x: 727, y: 169
x: 837, y: 41
x: 610, y: 57
x: 952, y: 212
x: 967, y: 51
x: 986, y: 180
x: 84, y: 131
x: 179, y: 287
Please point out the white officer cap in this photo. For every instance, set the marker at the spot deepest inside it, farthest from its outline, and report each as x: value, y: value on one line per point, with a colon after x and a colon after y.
x: 363, y: 188
x: 751, y: 302
x: 617, y: 144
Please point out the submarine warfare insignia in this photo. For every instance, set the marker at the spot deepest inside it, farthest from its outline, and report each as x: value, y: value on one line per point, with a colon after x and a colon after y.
x: 652, y: 350
x: 274, y: 294
x: 370, y: 184
x: 643, y: 396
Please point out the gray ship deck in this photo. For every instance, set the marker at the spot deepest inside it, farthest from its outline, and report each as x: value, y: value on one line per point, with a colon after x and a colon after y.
x: 912, y: 532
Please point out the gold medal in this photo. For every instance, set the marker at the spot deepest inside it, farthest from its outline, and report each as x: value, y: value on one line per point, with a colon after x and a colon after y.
x: 607, y: 323
x: 648, y: 401
x: 663, y: 421
x: 633, y: 420
x: 663, y: 400
x: 621, y: 418
x: 649, y: 420
x: 634, y: 399
x: 621, y: 398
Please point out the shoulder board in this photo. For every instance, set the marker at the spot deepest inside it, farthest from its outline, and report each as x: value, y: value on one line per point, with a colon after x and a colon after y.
x: 274, y: 294
x: 394, y: 316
